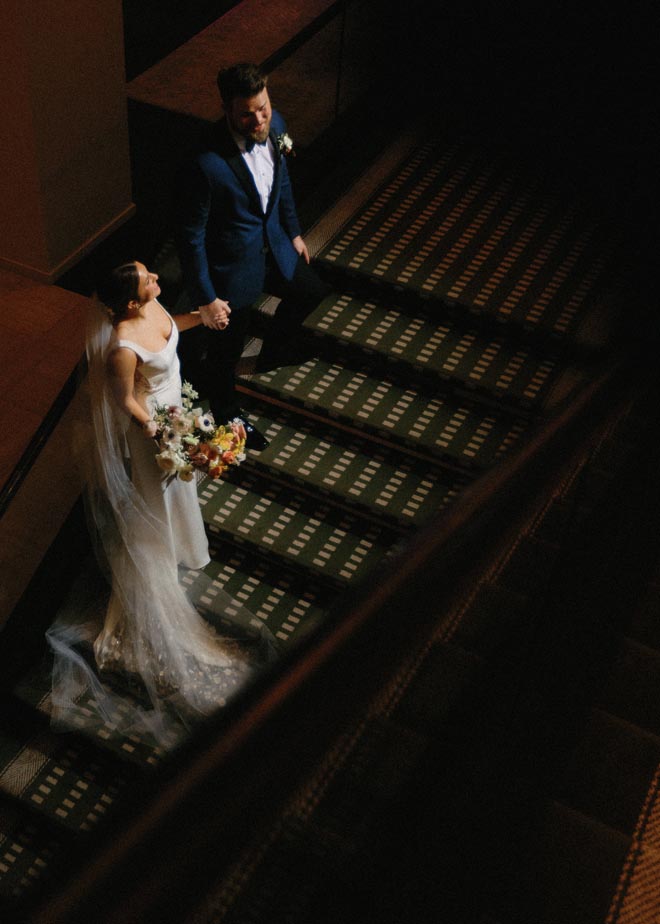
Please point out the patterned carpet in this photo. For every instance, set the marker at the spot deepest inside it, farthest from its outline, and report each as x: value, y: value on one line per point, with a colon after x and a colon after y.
x: 637, y: 897
x: 468, y: 228
x: 470, y: 297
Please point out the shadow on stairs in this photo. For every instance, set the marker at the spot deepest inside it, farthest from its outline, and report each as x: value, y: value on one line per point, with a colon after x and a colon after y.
x: 494, y: 769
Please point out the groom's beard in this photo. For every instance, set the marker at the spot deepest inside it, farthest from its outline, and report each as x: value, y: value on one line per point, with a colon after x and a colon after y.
x: 260, y: 134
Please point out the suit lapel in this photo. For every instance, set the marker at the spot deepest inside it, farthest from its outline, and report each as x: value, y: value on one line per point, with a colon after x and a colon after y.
x: 277, y: 174
x: 226, y: 147
x: 238, y: 165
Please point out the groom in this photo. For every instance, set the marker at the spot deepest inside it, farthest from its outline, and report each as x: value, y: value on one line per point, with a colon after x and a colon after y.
x: 239, y: 236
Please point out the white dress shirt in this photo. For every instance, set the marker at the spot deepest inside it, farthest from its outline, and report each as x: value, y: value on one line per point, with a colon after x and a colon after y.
x: 260, y: 162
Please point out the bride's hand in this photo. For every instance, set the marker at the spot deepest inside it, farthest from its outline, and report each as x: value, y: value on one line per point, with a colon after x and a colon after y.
x: 150, y: 429
x: 216, y: 314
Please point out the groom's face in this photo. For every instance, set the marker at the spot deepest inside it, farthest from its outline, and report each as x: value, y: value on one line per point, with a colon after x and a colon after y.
x: 250, y: 117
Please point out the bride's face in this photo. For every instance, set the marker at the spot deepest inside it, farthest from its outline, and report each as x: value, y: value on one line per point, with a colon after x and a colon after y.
x: 148, y: 287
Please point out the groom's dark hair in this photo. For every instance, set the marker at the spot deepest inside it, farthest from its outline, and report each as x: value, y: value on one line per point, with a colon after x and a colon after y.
x: 240, y: 80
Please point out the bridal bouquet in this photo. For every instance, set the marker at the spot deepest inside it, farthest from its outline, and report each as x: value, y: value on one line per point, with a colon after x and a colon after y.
x: 190, y: 439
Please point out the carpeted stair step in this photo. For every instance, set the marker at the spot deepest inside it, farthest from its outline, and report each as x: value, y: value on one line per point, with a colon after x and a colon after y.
x: 460, y: 225
x: 633, y: 687
x: 493, y: 367
x: 609, y: 771
x: 559, y: 518
x: 441, y: 685
x: 293, y: 528
x: 68, y: 782
x: 129, y: 752
x: 351, y: 470
x: 494, y: 614
x: 568, y: 870
x: 458, y: 432
x: 529, y: 568
x: 324, y: 848
x: 287, y: 603
x: 31, y: 849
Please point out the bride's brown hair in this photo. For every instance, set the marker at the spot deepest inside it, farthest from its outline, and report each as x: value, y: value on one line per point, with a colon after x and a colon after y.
x: 117, y: 288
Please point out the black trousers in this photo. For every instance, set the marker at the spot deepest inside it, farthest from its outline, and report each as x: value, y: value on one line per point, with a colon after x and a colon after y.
x: 209, y: 357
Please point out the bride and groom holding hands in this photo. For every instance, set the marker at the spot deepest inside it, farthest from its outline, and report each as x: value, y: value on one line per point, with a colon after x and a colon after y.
x: 239, y: 236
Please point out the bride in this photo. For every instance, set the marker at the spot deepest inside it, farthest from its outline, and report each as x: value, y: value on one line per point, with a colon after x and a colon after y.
x: 145, y: 662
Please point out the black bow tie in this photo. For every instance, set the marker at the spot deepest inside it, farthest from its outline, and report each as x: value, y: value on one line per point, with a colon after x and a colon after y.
x: 250, y: 144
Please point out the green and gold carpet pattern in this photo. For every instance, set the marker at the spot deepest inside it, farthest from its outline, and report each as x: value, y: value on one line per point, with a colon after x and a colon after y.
x: 373, y: 478
x: 133, y: 750
x: 27, y: 848
x: 493, y: 365
x: 465, y: 227
x: 69, y: 782
x: 293, y: 528
x: 283, y: 601
x: 409, y: 399
x: 439, y: 425
x: 53, y: 787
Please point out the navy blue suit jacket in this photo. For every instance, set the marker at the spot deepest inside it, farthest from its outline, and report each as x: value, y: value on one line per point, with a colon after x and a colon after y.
x: 223, y: 232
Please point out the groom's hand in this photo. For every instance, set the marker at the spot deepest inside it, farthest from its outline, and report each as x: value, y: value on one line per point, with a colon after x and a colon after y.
x: 216, y: 314
x: 300, y: 248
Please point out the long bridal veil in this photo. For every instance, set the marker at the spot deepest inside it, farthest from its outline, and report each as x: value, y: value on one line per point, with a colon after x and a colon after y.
x: 138, y: 659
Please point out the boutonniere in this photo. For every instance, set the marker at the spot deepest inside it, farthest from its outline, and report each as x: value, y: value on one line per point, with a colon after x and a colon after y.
x: 285, y: 145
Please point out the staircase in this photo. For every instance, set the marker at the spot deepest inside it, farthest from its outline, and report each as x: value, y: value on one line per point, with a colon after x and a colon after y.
x: 497, y: 774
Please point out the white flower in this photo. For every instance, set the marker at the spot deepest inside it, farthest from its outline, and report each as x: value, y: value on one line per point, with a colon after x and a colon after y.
x: 168, y: 436
x: 205, y: 423
x: 285, y: 144
x: 167, y: 460
x: 182, y: 425
x: 187, y: 391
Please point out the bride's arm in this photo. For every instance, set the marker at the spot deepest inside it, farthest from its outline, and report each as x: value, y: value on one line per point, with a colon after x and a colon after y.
x: 122, y: 364
x: 187, y: 320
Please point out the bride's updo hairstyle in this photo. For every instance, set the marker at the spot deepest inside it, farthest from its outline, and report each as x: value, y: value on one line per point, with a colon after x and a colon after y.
x: 117, y: 288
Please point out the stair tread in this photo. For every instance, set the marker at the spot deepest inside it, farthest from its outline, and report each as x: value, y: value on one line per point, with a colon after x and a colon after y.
x: 495, y: 612
x: 609, y: 771
x: 633, y: 688
x: 66, y: 781
x: 529, y: 568
x: 464, y: 227
x: 569, y: 870
x: 303, y: 532
x: 443, y: 426
x: 35, y: 688
x: 287, y: 603
x: 377, y: 480
x: 443, y: 679
x: 28, y: 850
x: 493, y: 365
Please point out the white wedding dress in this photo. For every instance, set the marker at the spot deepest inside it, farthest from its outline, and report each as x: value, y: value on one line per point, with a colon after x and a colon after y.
x: 172, y: 501
x: 157, y: 665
